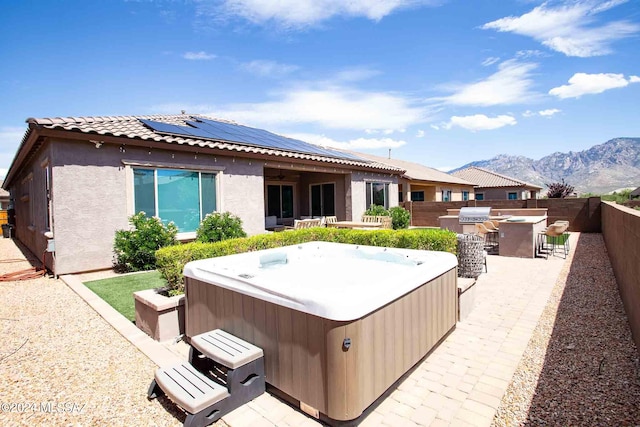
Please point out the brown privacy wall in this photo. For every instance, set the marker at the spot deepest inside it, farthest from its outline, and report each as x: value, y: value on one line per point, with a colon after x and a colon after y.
x: 582, y: 214
x: 304, y: 355
x: 621, y: 233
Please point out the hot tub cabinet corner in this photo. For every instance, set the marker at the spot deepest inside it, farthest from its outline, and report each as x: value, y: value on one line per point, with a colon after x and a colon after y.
x: 338, y: 368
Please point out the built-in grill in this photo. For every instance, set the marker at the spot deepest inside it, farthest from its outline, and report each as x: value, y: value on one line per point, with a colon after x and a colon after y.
x: 471, y: 215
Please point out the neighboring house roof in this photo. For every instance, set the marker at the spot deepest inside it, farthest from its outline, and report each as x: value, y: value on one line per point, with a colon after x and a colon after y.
x: 488, y: 179
x: 418, y: 172
x: 131, y: 127
x: 635, y: 193
x: 3, y: 193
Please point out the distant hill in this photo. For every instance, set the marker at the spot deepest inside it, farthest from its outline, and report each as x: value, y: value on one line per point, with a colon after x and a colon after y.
x: 600, y: 169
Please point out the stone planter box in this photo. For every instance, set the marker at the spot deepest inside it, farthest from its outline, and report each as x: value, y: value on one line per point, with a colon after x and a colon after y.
x: 162, y: 318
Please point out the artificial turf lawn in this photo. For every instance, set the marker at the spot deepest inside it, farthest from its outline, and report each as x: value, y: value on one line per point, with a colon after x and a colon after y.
x: 118, y: 291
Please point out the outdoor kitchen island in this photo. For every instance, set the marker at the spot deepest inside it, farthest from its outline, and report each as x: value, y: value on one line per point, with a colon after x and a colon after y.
x: 519, y: 229
x: 339, y: 324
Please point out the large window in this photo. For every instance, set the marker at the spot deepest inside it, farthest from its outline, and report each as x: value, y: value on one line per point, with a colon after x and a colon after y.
x: 377, y: 194
x: 184, y: 197
x: 417, y: 196
x: 446, y: 195
x: 512, y: 195
x: 280, y: 200
x: 323, y: 199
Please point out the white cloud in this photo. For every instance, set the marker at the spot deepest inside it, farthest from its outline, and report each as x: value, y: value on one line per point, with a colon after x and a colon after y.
x: 332, y: 107
x: 524, y: 54
x: 569, y: 28
x: 490, y: 61
x: 420, y: 134
x: 435, y: 127
x: 295, y: 14
x: 480, y: 122
x: 544, y: 113
x: 585, y: 84
x: 353, y: 144
x: 511, y: 84
x: 3, y: 172
x: 550, y: 112
x: 268, y: 68
x: 198, y: 56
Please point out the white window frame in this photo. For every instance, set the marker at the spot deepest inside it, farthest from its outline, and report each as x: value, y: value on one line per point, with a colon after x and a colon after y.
x: 443, y: 191
x: 465, y: 195
x: 130, y: 165
x: 386, y: 194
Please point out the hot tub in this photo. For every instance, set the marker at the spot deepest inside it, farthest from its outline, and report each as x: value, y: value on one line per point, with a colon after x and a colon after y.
x: 339, y: 324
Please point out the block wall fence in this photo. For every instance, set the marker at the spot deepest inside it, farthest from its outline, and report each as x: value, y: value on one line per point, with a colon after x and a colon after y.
x: 621, y: 233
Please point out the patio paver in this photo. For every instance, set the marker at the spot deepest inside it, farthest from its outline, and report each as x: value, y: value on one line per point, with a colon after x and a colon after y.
x: 463, y: 380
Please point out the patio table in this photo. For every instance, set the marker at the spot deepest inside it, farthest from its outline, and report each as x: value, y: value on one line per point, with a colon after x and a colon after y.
x: 354, y: 224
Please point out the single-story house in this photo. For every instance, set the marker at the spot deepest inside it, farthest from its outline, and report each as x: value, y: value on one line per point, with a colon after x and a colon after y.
x: 420, y: 183
x: 494, y: 186
x: 635, y: 193
x: 76, y: 180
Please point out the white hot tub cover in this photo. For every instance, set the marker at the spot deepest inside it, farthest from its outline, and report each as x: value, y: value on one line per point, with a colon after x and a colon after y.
x: 330, y: 280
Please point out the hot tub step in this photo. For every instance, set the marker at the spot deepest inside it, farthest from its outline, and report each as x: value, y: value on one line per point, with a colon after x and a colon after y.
x: 232, y: 361
x: 202, y: 399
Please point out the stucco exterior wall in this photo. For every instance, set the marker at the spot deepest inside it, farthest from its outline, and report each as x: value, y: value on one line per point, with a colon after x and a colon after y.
x: 433, y: 192
x: 307, y: 179
x: 30, y: 203
x: 358, y: 191
x: 93, y: 196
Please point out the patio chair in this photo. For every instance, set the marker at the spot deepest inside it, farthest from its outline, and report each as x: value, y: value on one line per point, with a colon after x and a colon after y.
x: 330, y: 219
x: 490, y: 225
x: 386, y: 221
x: 556, y: 234
x: 490, y: 236
x: 304, y: 223
x: 369, y: 218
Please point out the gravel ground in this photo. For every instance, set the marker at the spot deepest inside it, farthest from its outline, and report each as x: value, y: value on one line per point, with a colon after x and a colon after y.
x: 581, y: 367
x: 75, y: 371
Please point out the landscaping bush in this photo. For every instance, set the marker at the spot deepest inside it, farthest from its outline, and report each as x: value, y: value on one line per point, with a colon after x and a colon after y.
x: 400, y: 217
x: 171, y: 260
x: 219, y: 226
x: 376, y: 210
x: 135, y: 250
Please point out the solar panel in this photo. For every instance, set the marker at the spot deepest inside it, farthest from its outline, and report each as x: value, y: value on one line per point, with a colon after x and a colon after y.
x: 221, y: 131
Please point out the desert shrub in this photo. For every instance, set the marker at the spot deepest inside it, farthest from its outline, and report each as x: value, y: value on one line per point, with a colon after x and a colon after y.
x: 171, y: 260
x: 400, y: 217
x: 559, y: 190
x: 135, y: 249
x: 376, y: 210
x: 219, y: 226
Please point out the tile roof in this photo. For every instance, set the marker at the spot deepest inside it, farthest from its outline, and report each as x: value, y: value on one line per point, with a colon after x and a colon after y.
x: 484, y: 178
x: 416, y: 171
x: 131, y: 127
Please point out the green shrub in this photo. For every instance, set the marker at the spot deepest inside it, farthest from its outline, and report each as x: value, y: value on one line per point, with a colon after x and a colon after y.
x: 376, y: 210
x: 171, y: 260
x: 400, y: 217
x: 135, y: 250
x: 219, y: 226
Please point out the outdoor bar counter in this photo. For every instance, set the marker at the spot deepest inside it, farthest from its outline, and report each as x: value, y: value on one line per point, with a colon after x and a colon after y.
x: 518, y: 235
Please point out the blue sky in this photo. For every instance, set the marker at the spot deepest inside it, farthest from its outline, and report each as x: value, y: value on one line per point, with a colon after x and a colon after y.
x: 439, y: 82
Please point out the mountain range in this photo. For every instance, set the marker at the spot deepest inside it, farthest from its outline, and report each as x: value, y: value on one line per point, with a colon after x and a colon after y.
x: 600, y: 169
